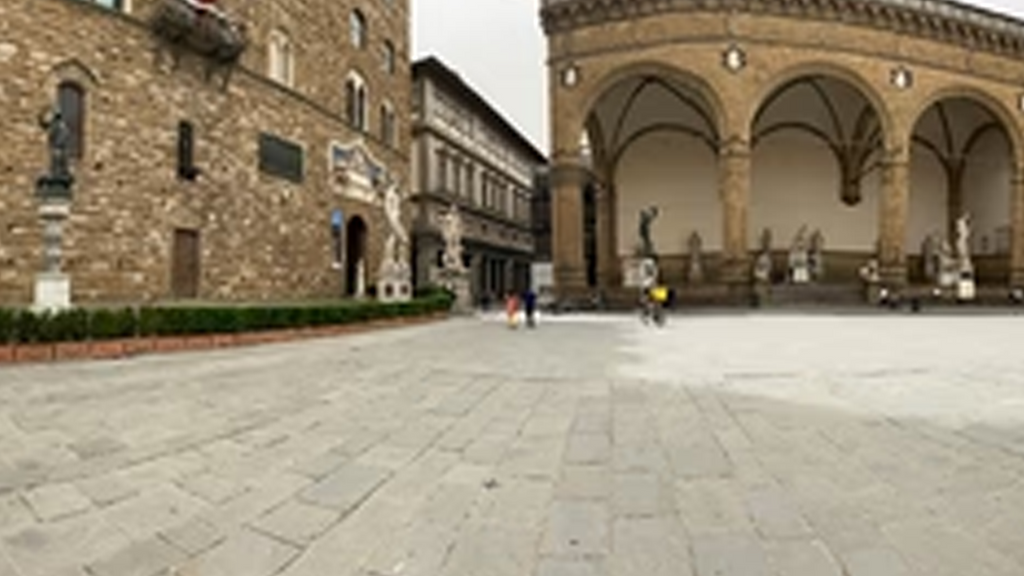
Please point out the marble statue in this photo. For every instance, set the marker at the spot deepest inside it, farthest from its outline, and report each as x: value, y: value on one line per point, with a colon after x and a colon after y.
x: 695, y: 272
x: 963, y: 245
x: 947, y: 265
x: 394, y: 279
x: 58, y: 138
x: 763, y: 262
x: 397, y: 239
x: 799, y: 272
x: 763, y: 268
x: 647, y: 217
x: 870, y: 272
x: 930, y: 258
x: 816, y: 256
x: 451, y: 231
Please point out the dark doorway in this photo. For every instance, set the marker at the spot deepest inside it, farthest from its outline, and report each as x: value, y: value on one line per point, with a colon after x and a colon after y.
x: 185, y: 264
x: 355, y: 253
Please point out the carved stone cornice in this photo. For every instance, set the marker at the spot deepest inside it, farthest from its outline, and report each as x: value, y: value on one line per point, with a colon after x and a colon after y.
x: 941, y: 20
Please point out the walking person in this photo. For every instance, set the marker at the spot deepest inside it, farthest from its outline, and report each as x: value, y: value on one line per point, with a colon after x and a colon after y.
x: 512, y: 310
x: 530, y: 307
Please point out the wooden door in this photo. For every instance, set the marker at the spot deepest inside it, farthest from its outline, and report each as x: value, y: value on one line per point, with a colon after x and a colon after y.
x: 185, y: 264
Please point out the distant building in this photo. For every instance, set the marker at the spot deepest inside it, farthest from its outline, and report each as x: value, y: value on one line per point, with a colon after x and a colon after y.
x: 465, y: 153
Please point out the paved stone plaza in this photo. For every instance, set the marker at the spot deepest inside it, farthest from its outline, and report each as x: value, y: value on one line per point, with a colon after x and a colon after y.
x: 725, y: 445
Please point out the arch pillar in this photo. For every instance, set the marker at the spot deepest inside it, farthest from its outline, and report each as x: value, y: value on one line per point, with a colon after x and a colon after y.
x: 1017, y: 227
x: 568, y: 178
x: 609, y: 274
x: 734, y: 172
x: 893, y: 218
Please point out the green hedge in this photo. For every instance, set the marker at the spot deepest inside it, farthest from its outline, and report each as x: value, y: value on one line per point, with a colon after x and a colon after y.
x: 78, y: 325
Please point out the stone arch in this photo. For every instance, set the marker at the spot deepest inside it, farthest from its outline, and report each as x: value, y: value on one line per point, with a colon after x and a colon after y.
x: 72, y: 70
x: 817, y: 133
x: 601, y: 86
x: 990, y: 103
x: 766, y: 90
x: 965, y: 148
x: 654, y: 133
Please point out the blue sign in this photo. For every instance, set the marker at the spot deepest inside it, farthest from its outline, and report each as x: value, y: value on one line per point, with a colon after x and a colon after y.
x: 337, y: 218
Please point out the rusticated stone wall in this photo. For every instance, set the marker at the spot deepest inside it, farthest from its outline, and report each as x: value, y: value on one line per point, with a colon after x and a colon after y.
x: 261, y: 237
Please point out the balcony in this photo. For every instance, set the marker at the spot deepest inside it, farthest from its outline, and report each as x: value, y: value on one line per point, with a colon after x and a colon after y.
x: 204, y: 31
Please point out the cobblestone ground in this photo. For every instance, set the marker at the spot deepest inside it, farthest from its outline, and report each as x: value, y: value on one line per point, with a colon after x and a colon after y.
x: 720, y: 445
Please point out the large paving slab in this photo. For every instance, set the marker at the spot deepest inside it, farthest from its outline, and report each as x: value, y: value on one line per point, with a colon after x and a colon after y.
x: 781, y: 444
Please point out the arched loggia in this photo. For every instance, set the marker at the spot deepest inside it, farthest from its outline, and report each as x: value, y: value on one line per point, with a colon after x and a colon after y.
x: 653, y: 140
x: 961, y: 164
x: 816, y: 142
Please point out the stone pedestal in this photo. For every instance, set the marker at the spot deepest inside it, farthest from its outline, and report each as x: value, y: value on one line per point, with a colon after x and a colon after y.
x: 53, y: 287
x: 52, y: 291
x: 965, y: 289
x: 457, y: 282
x: 639, y: 272
x: 394, y: 282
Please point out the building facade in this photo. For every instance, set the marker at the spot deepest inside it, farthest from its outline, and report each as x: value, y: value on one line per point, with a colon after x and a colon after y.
x: 229, y: 152
x: 874, y: 125
x: 466, y: 154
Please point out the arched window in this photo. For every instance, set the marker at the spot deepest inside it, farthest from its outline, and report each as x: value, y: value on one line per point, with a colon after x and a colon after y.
x: 389, y: 57
x: 355, y: 102
x: 71, y: 99
x: 357, y: 25
x: 387, y: 123
x: 280, y: 58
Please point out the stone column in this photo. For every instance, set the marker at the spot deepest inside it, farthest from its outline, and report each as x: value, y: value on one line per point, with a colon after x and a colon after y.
x: 893, y: 218
x: 607, y: 260
x: 1017, y: 228
x: 734, y: 190
x: 567, y: 181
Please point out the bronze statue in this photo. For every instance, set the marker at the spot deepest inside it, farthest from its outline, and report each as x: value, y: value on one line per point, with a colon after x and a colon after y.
x: 647, y: 216
x: 58, y: 140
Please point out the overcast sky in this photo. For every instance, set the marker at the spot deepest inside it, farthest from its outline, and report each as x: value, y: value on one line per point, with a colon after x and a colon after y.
x: 498, y: 48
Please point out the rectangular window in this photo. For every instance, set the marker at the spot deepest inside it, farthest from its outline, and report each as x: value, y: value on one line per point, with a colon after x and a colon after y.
x: 281, y: 158
x: 186, y: 155
x: 442, y: 170
x: 337, y: 247
x: 71, y: 101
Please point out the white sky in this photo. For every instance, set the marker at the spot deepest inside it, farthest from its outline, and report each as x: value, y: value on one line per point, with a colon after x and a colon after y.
x: 498, y: 48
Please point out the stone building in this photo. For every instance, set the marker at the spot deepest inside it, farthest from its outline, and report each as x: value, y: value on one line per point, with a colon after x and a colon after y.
x: 877, y: 123
x: 465, y: 153
x: 236, y: 152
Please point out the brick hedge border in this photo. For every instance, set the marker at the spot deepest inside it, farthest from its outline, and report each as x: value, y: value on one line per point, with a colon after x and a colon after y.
x: 129, y: 347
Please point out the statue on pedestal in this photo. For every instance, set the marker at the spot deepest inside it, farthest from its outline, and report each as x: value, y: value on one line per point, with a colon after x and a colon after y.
x: 963, y: 245
x: 454, y: 275
x: 947, y: 265
x: 799, y: 272
x: 395, y: 276
x: 695, y: 272
x: 451, y: 232
x: 763, y: 262
x: 53, y: 286
x: 930, y: 258
x: 816, y: 256
x: 647, y: 217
